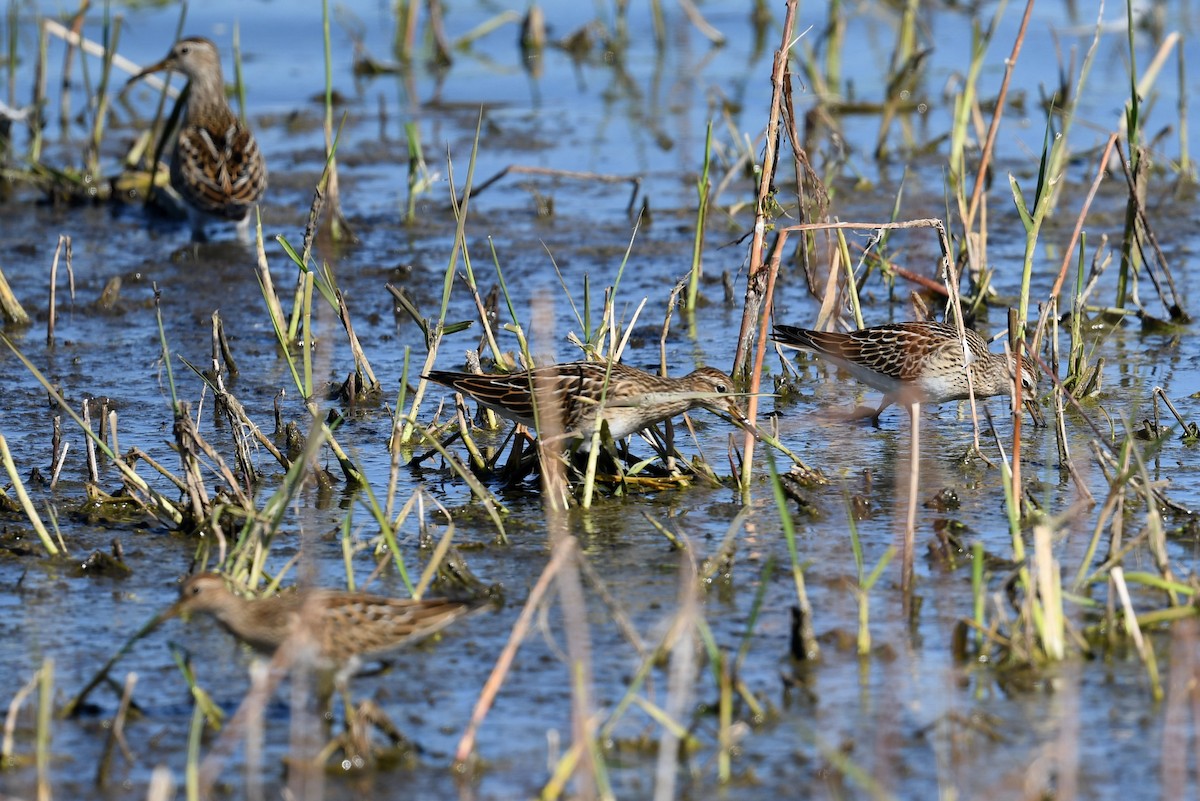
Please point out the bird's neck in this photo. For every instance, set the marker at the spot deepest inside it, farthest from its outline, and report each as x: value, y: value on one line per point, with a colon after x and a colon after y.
x: 206, y: 100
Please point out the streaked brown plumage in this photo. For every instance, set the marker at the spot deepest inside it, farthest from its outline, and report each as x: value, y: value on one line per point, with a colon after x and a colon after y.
x: 631, y: 399
x: 346, y: 626
x: 216, y: 165
x: 914, y: 361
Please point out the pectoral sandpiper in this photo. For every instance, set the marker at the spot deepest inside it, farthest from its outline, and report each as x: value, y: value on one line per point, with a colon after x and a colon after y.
x: 586, y: 393
x: 346, y: 627
x: 916, y: 362
x: 216, y: 165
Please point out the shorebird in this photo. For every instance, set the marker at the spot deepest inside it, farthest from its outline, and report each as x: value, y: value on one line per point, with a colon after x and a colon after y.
x: 346, y: 627
x: 587, y: 393
x: 216, y: 165
x: 916, y: 362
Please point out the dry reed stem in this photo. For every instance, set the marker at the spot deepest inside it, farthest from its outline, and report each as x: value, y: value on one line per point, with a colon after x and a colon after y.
x: 116, y: 734
x: 7, y: 746
x: 1117, y: 579
x: 994, y: 127
x: 137, y: 454
x: 73, y: 38
x: 555, y: 495
x: 759, y: 357
x: 10, y: 307
x: 560, y: 555
x: 247, y: 718
x: 187, y: 442
x: 52, y: 310
x: 756, y: 283
x: 263, y: 271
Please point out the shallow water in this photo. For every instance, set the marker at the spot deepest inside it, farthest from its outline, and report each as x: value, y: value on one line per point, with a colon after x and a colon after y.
x: 909, y: 721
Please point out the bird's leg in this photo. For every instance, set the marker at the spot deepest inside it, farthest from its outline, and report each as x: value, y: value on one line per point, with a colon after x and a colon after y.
x: 243, y: 230
x: 887, y: 401
x: 196, y: 218
x: 370, y: 713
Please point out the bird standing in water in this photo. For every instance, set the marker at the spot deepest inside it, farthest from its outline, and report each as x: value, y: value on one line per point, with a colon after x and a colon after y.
x: 918, y: 362
x: 589, y: 393
x: 346, y: 627
x: 216, y: 165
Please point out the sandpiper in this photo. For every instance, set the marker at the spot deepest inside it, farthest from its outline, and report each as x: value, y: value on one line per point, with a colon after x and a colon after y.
x: 916, y: 362
x: 586, y: 393
x: 346, y: 627
x: 216, y: 165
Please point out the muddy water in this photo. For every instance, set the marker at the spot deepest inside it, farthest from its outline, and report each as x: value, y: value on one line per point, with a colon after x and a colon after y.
x: 909, y: 718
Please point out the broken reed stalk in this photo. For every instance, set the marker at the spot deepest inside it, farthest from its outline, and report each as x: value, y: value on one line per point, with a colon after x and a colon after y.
x: 63, y: 239
x: 155, y: 504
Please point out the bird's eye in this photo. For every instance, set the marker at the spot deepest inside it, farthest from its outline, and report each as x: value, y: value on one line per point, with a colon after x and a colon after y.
x: 184, y: 50
x: 721, y: 387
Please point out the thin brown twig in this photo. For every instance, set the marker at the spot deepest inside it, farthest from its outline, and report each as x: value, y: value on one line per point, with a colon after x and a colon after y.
x: 994, y: 128
x: 1069, y: 250
x: 559, y: 557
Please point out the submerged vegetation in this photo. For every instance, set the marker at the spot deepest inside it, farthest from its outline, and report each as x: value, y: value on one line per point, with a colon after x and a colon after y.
x: 775, y: 542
